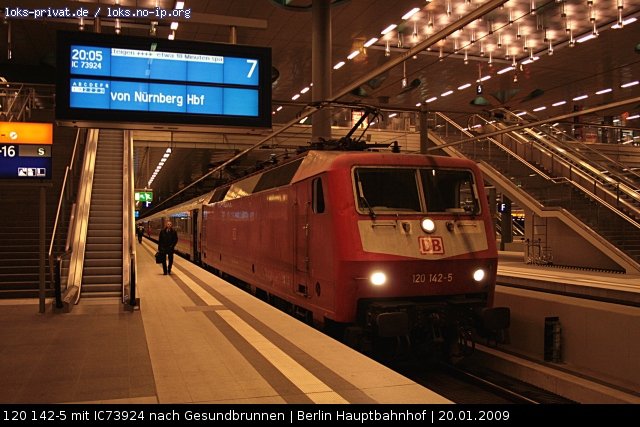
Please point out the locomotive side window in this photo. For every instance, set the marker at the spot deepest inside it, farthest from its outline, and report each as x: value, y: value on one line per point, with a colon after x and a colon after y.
x: 448, y: 190
x: 219, y: 194
x: 387, y: 189
x: 317, y: 196
x: 277, y: 177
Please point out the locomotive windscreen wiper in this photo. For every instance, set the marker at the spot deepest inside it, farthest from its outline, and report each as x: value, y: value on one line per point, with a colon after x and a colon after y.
x: 372, y: 214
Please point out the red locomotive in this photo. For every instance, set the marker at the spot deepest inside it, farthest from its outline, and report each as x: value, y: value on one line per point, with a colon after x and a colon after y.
x: 375, y: 244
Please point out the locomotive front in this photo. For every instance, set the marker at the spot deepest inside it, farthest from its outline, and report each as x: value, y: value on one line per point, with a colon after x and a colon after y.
x: 422, y: 258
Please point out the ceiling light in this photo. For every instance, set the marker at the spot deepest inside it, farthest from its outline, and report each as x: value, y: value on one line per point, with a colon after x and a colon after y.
x: 433, y: 98
x: 464, y: 86
x: 600, y: 92
x: 296, y: 96
x: 393, y: 115
x: 371, y: 42
x: 578, y: 98
x: 179, y: 5
x: 279, y: 108
x: 353, y: 54
x: 522, y: 113
x: 410, y: 13
x: 630, y: 84
x: 418, y: 104
x: 559, y: 103
x: 174, y: 26
x: 338, y: 65
x: 484, y: 78
x: 539, y: 108
x: 633, y: 117
x: 585, y: 38
x: 506, y: 70
x: 389, y: 28
x: 305, y: 90
x: 449, y: 92
x: 625, y: 22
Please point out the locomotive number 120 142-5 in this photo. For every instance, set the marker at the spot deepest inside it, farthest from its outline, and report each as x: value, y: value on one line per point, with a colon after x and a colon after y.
x: 432, y: 277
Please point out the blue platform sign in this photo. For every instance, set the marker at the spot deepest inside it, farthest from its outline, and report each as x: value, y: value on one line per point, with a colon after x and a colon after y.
x: 150, y: 80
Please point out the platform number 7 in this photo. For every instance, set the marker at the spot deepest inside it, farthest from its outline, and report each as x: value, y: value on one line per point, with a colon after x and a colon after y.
x: 253, y: 63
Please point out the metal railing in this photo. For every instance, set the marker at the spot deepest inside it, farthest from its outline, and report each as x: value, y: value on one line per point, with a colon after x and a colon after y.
x: 78, y: 232
x: 542, y: 190
x: 18, y: 100
x: 67, y: 193
x: 128, y: 224
x: 600, y: 168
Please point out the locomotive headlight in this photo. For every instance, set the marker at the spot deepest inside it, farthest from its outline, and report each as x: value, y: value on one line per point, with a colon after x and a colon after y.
x: 378, y: 278
x: 478, y: 275
x: 428, y: 225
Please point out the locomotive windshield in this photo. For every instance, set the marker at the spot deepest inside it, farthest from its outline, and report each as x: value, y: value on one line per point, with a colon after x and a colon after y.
x: 415, y: 190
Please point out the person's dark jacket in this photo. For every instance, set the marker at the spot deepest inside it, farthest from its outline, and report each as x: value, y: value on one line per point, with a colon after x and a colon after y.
x: 167, y: 240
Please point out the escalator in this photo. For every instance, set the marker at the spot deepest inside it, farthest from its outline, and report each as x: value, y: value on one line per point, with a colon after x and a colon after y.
x: 526, y: 177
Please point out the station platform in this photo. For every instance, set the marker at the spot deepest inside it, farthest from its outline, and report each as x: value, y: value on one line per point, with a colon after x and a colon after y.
x: 591, y: 355
x: 618, y: 288
x: 194, y: 339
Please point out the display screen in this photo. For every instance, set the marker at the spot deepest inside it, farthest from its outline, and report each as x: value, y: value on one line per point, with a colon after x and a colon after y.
x: 25, y: 150
x: 130, y: 79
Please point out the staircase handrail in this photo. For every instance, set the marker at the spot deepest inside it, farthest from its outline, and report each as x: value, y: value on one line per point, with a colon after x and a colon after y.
x: 81, y: 222
x: 587, y: 191
x: 571, y: 147
x: 573, y: 161
x: 65, y: 193
x: 128, y: 223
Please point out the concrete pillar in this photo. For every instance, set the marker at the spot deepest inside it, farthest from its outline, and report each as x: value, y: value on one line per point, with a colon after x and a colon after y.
x: 321, y: 67
x: 506, y: 225
x: 233, y: 35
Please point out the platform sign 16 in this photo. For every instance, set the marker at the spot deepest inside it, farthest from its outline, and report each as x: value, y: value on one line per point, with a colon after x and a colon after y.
x: 25, y: 150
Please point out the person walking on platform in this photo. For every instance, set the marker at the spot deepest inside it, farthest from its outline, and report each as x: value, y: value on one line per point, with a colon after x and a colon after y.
x: 167, y: 242
x: 139, y: 232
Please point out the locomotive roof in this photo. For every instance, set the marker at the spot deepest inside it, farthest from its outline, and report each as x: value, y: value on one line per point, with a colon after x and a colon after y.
x: 317, y: 162
x: 309, y: 164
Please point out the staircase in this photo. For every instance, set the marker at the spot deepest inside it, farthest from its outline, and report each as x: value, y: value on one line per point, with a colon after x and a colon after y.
x: 102, y: 272
x: 19, y: 215
x: 551, y: 190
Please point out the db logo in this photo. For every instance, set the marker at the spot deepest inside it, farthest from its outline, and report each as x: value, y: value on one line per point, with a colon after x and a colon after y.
x: 431, y: 245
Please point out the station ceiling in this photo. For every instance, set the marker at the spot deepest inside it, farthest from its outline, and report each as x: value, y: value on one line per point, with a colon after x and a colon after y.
x: 572, y: 47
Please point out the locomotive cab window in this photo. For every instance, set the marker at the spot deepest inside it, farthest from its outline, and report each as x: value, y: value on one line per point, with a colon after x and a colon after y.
x: 449, y: 190
x: 386, y: 190
x: 398, y: 190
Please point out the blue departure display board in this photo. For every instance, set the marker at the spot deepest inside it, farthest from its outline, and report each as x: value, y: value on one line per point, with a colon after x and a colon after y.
x: 125, y: 79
